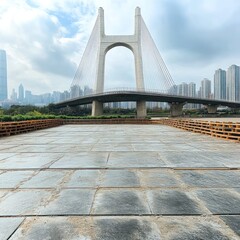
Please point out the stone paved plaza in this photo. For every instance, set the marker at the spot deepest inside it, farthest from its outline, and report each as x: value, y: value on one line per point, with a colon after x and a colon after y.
x: 115, y: 182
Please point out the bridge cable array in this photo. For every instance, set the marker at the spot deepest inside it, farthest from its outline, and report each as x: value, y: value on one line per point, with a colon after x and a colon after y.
x: 156, y: 75
x: 85, y: 77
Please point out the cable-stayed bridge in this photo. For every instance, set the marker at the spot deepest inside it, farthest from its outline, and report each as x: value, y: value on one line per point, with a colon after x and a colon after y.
x: 150, y: 73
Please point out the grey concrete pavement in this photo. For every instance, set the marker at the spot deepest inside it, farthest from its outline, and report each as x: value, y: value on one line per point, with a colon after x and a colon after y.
x: 118, y: 182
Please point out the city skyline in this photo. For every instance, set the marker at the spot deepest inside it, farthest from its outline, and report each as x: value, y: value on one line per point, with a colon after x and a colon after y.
x: 219, y: 91
x: 193, y: 43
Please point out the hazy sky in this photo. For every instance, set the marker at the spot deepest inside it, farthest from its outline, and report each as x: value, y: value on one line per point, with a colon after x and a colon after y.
x: 45, y: 39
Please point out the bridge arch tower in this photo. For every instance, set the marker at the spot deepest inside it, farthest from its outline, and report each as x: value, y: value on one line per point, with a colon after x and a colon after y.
x: 106, y: 43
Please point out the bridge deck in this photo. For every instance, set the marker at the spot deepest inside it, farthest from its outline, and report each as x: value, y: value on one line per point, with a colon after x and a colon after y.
x: 118, y: 182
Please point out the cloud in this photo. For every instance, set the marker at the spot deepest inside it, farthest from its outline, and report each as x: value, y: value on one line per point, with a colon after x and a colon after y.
x: 42, y: 44
x: 45, y: 40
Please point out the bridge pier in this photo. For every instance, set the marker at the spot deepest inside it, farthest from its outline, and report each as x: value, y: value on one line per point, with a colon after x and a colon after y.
x: 212, y: 108
x: 141, y: 109
x: 176, y: 109
x: 97, y: 108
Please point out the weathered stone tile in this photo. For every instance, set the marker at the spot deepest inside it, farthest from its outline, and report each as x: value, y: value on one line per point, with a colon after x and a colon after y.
x: 12, y: 179
x: 134, y: 160
x: 84, y: 178
x: 53, y: 228
x: 119, y: 178
x: 82, y: 160
x: 69, y: 202
x: 45, y: 179
x: 126, y: 228
x: 194, y: 178
x: 188, y: 160
x: 8, y: 226
x: 220, y: 201
x: 25, y: 202
x: 191, y: 228
x: 233, y: 222
x: 158, y: 178
x: 120, y: 202
x: 173, y: 202
x: 29, y: 160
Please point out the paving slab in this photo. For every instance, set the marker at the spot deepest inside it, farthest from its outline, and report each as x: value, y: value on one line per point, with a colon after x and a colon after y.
x: 227, y: 178
x: 82, y: 160
x: 189, y: 159
x: 5, y: 155
x: 191, y: 228
x: 119, y: 178
x: 173, y: 202
x: 220, y: 201
x: 45, y: 179
x: 125, y: 228
x: 8, y: 226
x: 29, y: 160
x: 210, y: 179
x: 229, y: 159
x: 68, y: 202
x: 233, y: 222
x: 22, y: 203
x: 159, y: 178
x: 12, y: 179
x: 120, y: 202
x: 135, y: 160
x: 112, y: 147
x: 55, y: 228
x: 84, y: 179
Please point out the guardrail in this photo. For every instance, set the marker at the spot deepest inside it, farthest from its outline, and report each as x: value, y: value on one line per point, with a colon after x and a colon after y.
x: 226, y: 130
x: 12, y: 128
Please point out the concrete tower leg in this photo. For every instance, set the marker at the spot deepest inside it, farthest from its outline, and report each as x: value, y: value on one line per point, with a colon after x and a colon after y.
x: 107, y: 42
x: 141, y: 109
x: 176, y: 109
x: 212, y: 108
x: 97, y: 108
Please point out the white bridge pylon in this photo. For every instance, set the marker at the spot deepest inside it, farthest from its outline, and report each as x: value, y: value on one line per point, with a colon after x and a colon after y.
x: 92, y: 65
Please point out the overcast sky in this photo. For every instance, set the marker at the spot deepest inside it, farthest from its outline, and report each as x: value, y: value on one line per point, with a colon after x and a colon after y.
x: 45, y: 39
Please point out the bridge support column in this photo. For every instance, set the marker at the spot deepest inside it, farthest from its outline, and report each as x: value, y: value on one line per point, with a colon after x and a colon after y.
x: 212, y: 108
x: 141, y: 109
x: 97, y: 108
x: 176, y: 109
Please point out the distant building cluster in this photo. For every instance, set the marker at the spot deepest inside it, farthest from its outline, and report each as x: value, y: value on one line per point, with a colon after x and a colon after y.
x: 226, y: 86
x: 25, y: 97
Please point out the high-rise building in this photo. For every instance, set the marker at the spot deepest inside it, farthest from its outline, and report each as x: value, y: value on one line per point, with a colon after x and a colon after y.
x: 191, y: 93
x: 3, y: 76
x: 233, y: 83
x: 220, y: 84
x: 75, y: 91
x: 182, y: 89
x: 20, y: 93
x: 192, y: 89
x: 206, y: 88
x: 13, y: 96
x: 28, y: 97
